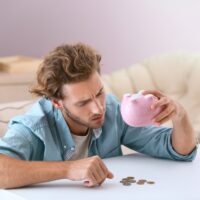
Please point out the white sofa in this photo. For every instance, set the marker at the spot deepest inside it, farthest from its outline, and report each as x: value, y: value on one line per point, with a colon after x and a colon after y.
x: 176, y: 74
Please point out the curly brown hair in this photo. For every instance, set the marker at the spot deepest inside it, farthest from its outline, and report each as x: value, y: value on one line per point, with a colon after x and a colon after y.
x: 65, y: 64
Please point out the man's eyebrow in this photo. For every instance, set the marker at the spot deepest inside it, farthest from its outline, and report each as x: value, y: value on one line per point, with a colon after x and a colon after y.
x: 87, y: 100
x: 99, y: 91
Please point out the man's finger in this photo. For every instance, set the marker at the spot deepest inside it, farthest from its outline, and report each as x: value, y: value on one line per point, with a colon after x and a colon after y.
x: 90, y: 181
x: 100, y: 173
x: 104, y: 168
x: 161, y: 102
x: 166, y: 112
x: 167, y: 118
x: 110, y: 175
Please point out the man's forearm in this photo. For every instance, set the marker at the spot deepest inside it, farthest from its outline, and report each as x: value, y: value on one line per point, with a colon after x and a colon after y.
x: 183, y: 136
x: 17, y: 173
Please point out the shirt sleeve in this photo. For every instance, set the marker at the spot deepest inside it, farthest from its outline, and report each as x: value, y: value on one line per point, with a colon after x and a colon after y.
x: 20, y: 143
x: 154, y: 141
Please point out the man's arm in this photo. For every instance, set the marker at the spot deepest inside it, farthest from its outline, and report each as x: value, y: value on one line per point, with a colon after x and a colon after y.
x: 183, y: 136
x: 18, y: 173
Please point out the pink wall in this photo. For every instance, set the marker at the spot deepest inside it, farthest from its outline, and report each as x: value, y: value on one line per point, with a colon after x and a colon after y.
x: 123, y: 31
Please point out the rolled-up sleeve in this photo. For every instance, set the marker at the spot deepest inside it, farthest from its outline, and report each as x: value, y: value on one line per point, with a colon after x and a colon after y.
x: 153, y: 141
x: 177, y: 156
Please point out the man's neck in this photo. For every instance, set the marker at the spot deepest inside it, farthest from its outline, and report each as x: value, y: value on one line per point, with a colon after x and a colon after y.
x: 78, y: 132
x: 75, y: 128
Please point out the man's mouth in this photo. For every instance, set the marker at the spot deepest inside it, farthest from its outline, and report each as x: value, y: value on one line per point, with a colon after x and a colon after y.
x: 97, y: 118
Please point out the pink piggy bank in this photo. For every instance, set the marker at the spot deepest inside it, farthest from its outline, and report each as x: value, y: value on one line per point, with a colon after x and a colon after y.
x: 136, y: 109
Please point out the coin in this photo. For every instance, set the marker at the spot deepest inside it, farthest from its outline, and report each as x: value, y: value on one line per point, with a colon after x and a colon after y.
x: 151, y: 182
x: 130, y: 177
x: 127, y: 184
x: 140, y: 183
x: 142, y: 180
x: 132, y: 181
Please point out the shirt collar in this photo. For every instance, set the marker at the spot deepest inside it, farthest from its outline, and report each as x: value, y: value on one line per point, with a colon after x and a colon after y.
x: 97, y: 132
x: 63, y: 130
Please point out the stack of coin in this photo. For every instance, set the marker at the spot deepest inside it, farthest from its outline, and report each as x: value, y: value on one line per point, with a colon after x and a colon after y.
x: 130, y: 179
x: 141, y: 182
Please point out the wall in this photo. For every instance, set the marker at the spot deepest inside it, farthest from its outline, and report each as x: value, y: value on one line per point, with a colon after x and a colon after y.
x: 123, y: 31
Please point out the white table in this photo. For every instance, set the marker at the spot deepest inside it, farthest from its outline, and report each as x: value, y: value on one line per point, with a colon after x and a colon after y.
x: 173, y: 180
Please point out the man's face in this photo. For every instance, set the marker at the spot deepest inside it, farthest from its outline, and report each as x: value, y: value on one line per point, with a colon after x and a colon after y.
x: 84, y: 102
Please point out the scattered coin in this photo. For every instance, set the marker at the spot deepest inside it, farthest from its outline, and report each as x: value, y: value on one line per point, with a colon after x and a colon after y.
x: 142, y: 180
x: 140, y: 183
x: 130, y: 179
x: 127, y: 184
x: 151, y: 182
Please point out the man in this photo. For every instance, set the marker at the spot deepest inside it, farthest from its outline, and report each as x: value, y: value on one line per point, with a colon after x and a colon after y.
x: 74, y: 125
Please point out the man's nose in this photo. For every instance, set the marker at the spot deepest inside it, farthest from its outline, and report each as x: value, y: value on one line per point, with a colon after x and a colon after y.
x: 97, y: 107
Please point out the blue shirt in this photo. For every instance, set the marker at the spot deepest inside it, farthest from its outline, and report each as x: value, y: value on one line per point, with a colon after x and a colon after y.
x: 43, y: 134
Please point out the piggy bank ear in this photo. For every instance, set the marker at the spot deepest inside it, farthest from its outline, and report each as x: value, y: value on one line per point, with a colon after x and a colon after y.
x: 141, y: 92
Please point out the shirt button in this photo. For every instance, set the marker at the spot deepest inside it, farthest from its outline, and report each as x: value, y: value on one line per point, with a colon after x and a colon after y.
x: 72, y: 148
x: 65, y: 147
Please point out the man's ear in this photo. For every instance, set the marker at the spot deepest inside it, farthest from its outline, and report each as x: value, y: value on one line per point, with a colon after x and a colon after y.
x: 56, y: 103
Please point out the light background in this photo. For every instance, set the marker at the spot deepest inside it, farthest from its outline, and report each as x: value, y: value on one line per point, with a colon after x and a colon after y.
x: 123, y: 31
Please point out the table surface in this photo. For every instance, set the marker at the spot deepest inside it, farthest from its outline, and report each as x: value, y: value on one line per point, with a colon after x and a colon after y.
x: 173, y: 180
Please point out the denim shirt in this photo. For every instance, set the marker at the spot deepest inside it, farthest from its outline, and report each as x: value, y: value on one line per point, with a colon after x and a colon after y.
x: 43, y: 134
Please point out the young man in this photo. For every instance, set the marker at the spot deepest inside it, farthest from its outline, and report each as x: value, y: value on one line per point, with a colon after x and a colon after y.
x: 74, y: 125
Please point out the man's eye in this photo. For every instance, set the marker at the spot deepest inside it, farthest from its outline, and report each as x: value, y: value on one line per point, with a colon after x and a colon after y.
x: 82, y: 104
x: 100, y: 93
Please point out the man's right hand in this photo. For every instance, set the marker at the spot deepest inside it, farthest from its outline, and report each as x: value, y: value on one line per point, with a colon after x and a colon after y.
x: 92, y: 170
